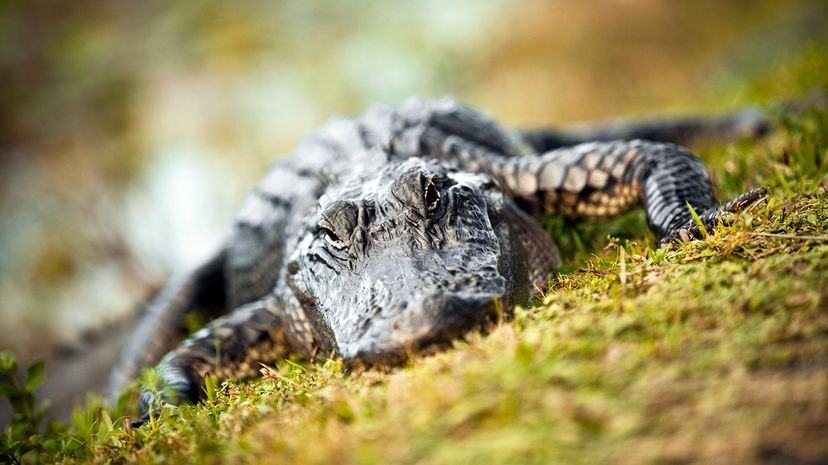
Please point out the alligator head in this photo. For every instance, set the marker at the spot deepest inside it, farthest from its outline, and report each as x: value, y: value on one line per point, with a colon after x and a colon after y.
x: 408, y: 257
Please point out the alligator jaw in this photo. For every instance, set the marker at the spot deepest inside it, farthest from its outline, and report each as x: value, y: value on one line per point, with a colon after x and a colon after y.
x: 436, y: 323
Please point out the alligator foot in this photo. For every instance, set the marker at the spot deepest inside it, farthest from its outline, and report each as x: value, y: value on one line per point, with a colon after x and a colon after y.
x: 711, y: 218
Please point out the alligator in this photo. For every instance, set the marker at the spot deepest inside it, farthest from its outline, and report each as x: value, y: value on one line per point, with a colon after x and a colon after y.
x: 405, y: 228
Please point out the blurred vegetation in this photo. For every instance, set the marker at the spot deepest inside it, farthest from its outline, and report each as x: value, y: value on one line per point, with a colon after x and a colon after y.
x: 130, y: 132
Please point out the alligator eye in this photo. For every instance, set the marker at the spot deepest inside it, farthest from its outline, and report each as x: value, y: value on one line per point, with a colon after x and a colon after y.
x: 432, y: 197
x: 331, y: 238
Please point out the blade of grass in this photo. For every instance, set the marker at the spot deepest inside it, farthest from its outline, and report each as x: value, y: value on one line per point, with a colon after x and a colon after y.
x: 697, y: 220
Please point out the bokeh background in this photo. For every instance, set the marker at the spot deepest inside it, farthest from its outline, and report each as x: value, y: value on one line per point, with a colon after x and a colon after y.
x: 130, y: 132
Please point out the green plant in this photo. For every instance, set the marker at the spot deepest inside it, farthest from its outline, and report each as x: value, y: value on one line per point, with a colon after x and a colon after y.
x: 22, y: 436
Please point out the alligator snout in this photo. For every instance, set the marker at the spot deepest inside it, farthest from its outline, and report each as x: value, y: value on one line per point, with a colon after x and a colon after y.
x: 436, y: 320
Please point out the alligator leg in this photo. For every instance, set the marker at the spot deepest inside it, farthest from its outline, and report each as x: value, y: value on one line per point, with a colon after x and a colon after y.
x: 600, y: 179
x: 748, y: 122
x: 590, y: 180
x: 158, y: 327
x: 231, y: 346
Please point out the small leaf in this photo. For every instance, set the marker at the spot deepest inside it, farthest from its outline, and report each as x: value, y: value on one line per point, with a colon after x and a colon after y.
x: 105, y: 423
x: 211, y: 387
x: 698, y: 220
x: 40, y: 412
x: 35, y: 375
x: 9, y: 390
x: 296, y: 366
x: 8, y: 364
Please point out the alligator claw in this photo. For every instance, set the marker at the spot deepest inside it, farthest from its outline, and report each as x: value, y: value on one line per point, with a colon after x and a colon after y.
x: 711, y: 218
x: 149, y: 404
x: 175, y: 384
x: 741, y: 202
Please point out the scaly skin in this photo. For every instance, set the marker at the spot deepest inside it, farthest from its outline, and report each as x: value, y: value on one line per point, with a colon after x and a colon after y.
x: 398, y: 231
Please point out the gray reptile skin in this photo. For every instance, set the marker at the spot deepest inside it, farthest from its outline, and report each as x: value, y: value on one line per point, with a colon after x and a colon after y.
x: 398, y: 230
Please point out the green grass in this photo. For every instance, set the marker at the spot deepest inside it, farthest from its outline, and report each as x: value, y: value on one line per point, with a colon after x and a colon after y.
x: 714, y: 351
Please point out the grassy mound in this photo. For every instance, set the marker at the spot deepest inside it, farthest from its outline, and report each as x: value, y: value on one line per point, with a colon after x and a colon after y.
x: 715, y: 351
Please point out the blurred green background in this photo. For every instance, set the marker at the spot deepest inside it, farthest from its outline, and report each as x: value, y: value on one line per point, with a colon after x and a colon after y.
x: 131, y: 131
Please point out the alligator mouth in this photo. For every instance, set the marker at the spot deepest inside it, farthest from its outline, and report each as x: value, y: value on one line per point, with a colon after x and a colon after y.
x: 422, y: 330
